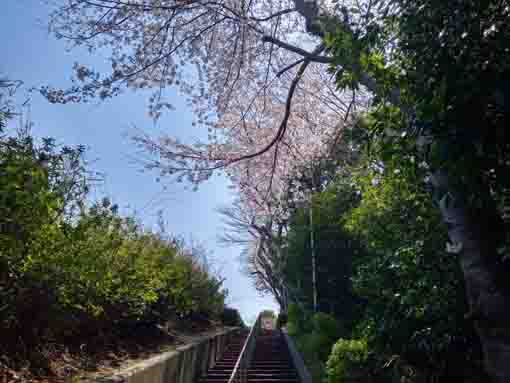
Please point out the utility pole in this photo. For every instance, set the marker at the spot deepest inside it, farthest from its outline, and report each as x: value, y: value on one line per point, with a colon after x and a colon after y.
x: 312, y: 246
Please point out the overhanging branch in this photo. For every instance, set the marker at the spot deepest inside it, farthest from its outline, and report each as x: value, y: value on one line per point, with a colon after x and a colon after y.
x: 288, y: 107
x: 319, y: 24
x: 302, y: 52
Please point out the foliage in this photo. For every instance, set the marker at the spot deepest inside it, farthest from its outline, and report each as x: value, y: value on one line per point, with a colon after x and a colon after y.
x: 439, y: 76
x: 144, y: 277
x: 239, y: 90
x: 27, y: 205
x: 412, y: 285
x: 231, y: 317
x: 347, y: 361
x: 335, y: 250
x: 7, y: 90
x: 282, y: 320
x: 326, y: 330
x: 438, y: 106
x: 67, y: 269
x: 314, y: 335
x: 295, y: 322
x: 407, y: 301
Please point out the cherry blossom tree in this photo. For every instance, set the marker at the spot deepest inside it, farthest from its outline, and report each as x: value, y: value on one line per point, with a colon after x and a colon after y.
x: 245, y: 66
x: 248, y: 68
x: 263, y: 255
x: 253, y: 75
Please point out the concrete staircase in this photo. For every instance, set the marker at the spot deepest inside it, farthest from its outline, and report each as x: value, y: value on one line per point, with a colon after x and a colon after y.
x: 271, y: 361
x: 223, y: 368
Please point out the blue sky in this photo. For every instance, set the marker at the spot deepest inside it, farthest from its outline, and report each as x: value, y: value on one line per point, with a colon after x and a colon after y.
x: 30, y: 54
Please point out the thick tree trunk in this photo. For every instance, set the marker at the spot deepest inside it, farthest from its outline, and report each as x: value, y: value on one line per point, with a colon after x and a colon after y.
x: 488, y: 297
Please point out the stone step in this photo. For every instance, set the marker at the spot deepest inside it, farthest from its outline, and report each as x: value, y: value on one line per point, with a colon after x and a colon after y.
x: 271, y: 362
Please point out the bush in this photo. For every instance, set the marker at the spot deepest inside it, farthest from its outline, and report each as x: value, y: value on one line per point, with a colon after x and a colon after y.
x: 309, y: 345
x: 326, y: 324
x: 296, y: 321
x: 326, y: 331
x: 267, y: 314
x: 347, y: 361
x: 282, y: 319
x: 106, y: 267
x: 27, y: 205
x: 106, y: 270
x: 66, y: 268
x: 231, y: 317
x: 314, y: 337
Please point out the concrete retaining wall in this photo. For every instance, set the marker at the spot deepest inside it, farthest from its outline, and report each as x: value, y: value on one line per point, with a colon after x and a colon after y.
x: 182, y: 365
x: 297, y: 359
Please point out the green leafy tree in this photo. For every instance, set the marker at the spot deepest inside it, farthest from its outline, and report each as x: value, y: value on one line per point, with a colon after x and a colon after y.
x: 28, y: 204
x: 415, y: 297
x: 335, y: 248
x: 69, y: 268
x: 347, y: 361
x: 439, y: 75
x: 440, y: 68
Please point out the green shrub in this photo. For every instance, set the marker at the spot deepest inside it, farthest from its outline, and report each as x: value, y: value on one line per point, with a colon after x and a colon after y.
x: 326, y: 324
x: 268, y: 313
x: 326, y: 331
x: 231, y: 317
x: 314, y: 337
x: 282, y: 319
x: 296, y: 322
x: 309, y: 346
x: 67, y: 268
x: 347, y: 361
x: 27, y: 204
x: 106, y: 268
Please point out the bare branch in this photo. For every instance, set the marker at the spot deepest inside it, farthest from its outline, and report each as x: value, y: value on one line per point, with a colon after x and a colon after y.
x: 288, y: 107
x: 308, y: 55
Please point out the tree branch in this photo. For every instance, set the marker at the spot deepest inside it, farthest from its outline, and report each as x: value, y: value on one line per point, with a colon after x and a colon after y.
x: 277, y: 14
x: 288, y: 106
x: 318, y: 25
x: 289, y: 67
x: 308, y: 55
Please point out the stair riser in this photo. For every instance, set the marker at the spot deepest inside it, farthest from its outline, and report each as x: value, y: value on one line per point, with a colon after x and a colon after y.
x: 271, y: 362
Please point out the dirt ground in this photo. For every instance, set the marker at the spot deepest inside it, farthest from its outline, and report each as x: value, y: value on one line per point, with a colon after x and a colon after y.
x: 101, y: 355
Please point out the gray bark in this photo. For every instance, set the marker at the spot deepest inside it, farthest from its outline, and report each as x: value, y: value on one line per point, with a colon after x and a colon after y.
x: 488, y: 300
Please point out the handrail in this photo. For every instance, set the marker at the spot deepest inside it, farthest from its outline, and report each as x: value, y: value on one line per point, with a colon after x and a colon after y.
x: 239, y: 374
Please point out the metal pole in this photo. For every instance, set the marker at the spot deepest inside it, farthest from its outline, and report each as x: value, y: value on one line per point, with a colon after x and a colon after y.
x: 314, y: 261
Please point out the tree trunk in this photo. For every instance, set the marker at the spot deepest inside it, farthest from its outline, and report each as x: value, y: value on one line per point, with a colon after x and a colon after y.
x: 474, y: 239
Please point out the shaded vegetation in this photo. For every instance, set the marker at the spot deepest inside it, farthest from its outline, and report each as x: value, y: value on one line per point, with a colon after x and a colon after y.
x: 79, y: 274
x: 437, y: 114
